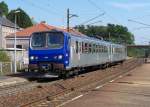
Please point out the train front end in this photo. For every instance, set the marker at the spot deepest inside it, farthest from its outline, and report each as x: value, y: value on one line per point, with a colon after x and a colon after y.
x: 49, y: 51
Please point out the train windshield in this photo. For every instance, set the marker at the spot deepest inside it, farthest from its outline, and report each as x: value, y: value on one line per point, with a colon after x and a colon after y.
x: 52, y: 40
x: 55, y: 40
x: 38, y: 40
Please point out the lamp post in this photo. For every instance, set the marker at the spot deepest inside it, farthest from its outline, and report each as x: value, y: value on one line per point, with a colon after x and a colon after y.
x: 69, y: 16
x: 15, y: 64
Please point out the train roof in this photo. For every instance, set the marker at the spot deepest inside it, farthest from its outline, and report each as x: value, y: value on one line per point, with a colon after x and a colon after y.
x: 82, y: 36
x: 95, y: 39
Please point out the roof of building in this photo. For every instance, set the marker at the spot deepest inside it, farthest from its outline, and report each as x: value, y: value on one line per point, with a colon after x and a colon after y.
x: 5, y: 22
x: 37, y: 28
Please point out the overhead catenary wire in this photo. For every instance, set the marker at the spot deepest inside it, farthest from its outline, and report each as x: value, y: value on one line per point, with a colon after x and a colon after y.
x: 139, y: 22
x: 95, y: 22
x: 98, y: 7
x: 45, y: 10
x: 139, y: 28
x: 91, y: 19
x: 41, y: 8
x: 95, y: 5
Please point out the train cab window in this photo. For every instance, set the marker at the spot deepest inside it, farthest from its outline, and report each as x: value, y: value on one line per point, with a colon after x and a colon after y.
x: 77, y: 47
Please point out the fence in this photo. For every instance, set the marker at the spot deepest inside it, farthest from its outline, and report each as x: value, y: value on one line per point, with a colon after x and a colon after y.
x: 8, y: 67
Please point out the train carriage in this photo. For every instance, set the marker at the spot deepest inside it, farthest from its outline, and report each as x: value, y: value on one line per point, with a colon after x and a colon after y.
x: 61, y: 52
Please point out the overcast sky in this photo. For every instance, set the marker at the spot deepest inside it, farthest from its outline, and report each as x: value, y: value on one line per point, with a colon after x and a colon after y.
x: 117, y: 12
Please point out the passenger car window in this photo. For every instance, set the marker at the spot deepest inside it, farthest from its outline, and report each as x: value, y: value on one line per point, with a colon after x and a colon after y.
x: 77, y: 47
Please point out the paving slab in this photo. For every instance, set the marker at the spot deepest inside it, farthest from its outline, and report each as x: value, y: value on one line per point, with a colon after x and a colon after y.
x: 133, y: 90
x: 9, y: 81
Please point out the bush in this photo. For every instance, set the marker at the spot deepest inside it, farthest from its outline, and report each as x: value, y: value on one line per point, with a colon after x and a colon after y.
x: 4, y: 57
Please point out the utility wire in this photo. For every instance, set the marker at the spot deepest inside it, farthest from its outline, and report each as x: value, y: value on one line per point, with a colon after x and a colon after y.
x: 139, y: 28
x: 93, y: 18
x: 96, y: 6
x: 49, y: 4
x: 95, y: 22
x: 138, y: 22
x: 42, y: 8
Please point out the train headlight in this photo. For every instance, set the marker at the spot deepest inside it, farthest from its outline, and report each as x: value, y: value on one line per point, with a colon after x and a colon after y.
x: 31, y: 57
x: 60, y: 56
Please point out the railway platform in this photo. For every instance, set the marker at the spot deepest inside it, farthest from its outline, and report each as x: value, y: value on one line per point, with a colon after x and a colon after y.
x: 6, y: 81
x: 131, y: 90
x: 13, y: 79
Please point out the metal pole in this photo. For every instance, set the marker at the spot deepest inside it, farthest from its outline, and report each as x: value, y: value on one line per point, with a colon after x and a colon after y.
x: 68, y: 19
x: 15, y: 66
x: 1, y: 67
x: 1, y: 36
x: 11, y: 67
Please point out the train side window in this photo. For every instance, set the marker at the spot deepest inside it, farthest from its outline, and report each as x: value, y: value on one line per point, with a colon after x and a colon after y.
x: 106, y: 49
x: 90, y: 48
x: 99, y: 48
x: 77, y: 47
x: 102, y: 49
x: 93, y: 48
x: 82, y: 47
x: 86, y: 48
x: 96, y: 48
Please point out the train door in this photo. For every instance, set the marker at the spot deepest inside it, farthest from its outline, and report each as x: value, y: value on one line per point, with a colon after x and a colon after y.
x: 74, y: 51
x: 111, y: 53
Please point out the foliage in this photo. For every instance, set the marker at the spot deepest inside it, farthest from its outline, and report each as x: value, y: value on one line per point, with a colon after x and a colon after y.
x: 3, y: 56
x: 111, y: 32
x: 23, y: 20
x: 3, y: 8
x: 136, y: 52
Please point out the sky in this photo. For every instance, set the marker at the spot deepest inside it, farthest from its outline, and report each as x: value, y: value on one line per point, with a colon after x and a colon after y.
x: 116, y: 12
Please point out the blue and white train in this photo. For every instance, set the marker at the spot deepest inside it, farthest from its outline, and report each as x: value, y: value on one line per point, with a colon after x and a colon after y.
x: 64, y: 53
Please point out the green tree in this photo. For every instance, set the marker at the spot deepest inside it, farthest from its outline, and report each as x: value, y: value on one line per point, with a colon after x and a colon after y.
x: 3, y: 8
x: 115, y: 33
x: 3, y: 56
x: 23, y: 20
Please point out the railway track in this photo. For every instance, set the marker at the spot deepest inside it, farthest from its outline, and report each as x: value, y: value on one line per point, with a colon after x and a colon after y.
x: 35, y: 94
x: 56, y: 99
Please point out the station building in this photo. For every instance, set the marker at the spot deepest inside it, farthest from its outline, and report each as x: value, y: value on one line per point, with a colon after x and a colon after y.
x: 6, y: 28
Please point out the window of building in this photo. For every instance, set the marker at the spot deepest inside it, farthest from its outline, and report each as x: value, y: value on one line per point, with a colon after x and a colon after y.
x: 19, y: 46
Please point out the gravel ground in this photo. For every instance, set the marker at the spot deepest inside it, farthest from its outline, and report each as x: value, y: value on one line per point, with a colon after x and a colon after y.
x: 50, y: 90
